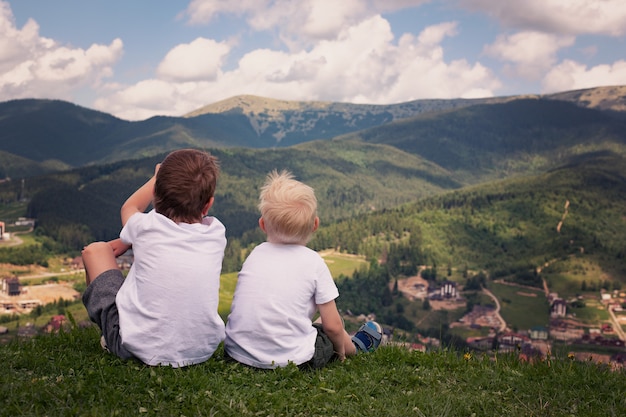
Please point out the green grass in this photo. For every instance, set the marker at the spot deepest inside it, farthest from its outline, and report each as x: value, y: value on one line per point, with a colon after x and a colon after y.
x: 566, y: 276
x: 70, y: 375
x: 521, y: 311
x: 227, y: 290
x: 11, y: 211
x: 594, y: 313
x: 343, y: 264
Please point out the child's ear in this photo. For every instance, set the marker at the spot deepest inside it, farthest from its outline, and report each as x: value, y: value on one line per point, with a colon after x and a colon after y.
x: 262, y: 224
x: 316, y: 223
x: 207, y: 206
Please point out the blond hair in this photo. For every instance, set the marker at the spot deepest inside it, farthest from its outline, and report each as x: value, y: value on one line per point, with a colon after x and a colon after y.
x: 288, y: 208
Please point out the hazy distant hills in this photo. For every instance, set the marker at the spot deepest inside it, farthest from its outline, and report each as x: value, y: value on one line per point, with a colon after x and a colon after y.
x: 286, y: 123
x: 48, y: 135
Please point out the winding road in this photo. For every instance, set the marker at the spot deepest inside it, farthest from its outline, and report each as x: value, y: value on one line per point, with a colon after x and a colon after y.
x: 497, y: 312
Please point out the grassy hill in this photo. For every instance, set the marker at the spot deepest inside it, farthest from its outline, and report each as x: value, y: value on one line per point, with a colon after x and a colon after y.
x: 349, y: 178
x: 69, y: 374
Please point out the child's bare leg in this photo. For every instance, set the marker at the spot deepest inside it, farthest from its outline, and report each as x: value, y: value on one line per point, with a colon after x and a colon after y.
x: 98, y: 257
x: 349, y: 347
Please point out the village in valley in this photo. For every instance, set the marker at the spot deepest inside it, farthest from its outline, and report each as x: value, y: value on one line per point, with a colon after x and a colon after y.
x: 601, y: 342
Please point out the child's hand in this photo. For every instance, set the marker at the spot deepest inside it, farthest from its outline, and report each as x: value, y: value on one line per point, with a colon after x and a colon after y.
x: 119, y: 247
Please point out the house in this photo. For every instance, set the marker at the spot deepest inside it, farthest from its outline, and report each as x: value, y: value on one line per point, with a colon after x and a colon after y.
x: 512, y: 339
x: 448, y: 289
x: 558, y: 308
x: 539, y: 333
x: 480, y: 343
x: 607, y: 328
x: 512, y: 342
x: 55, y: 324
x: 11, y: 286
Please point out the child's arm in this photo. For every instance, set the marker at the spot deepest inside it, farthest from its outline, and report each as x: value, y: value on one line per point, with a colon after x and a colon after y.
x: 139, y: 201
x: 119, y: 247
x: 333, y: 327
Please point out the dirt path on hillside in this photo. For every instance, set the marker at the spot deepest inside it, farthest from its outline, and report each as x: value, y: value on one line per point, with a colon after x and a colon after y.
x: 502, y: 326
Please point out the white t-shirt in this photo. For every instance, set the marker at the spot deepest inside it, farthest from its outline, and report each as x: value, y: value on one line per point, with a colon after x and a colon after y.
x: 168, y: 302
x: 277, y: 294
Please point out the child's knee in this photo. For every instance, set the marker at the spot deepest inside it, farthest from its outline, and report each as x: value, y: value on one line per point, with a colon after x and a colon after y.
x: 96, y: 248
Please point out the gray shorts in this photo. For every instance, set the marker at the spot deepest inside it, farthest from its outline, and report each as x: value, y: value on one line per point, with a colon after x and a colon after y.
x: 324, y: 350
x: 99, y: 299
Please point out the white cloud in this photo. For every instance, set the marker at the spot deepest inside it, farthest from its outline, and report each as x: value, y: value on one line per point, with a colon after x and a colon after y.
x: 364, y: 63
x: 204, y: 11
x: 530, y: 53
x: 571, y: 75
x: 572, y: 17
x: 145, y: 99
x: 297, y: 22
x: 195, y: 61
x: 35, y: 66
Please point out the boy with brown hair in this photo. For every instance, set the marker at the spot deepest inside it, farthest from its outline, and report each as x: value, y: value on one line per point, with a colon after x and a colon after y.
x: 165, y: 311
x: 281, y: 286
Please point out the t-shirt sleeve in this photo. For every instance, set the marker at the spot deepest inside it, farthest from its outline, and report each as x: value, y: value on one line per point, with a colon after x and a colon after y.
x: 128, y: 232
x: 326, y: 290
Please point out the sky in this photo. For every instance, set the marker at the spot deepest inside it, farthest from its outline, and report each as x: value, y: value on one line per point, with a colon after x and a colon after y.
x: 140, y: 58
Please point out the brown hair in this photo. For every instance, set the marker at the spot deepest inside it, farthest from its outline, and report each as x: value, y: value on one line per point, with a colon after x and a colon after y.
x: 288, y: 208
x: 185, y: 183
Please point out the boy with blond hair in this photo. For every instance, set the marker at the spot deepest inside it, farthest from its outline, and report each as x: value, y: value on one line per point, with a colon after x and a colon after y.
x: 282, y: 285
x: 165, y: 311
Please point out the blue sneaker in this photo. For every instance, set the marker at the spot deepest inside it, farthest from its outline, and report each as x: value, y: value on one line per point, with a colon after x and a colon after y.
x: 368, y: 337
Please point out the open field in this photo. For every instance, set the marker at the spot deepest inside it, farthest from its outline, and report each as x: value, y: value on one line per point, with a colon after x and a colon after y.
x: 577, y: 275
x: 521, y: 308
x: 342, y: 263
x: 593, y: 313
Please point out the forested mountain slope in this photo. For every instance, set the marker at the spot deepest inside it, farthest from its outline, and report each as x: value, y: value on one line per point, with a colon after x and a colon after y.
x: 496, y: 141
x: 349, y: 178
x: 503, y: 227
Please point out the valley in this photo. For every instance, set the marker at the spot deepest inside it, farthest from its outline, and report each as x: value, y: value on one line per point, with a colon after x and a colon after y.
x: 472, y: 222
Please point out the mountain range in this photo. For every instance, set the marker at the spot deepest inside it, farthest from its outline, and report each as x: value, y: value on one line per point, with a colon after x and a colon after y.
x: 77, y: 165
x: 42, y: 136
